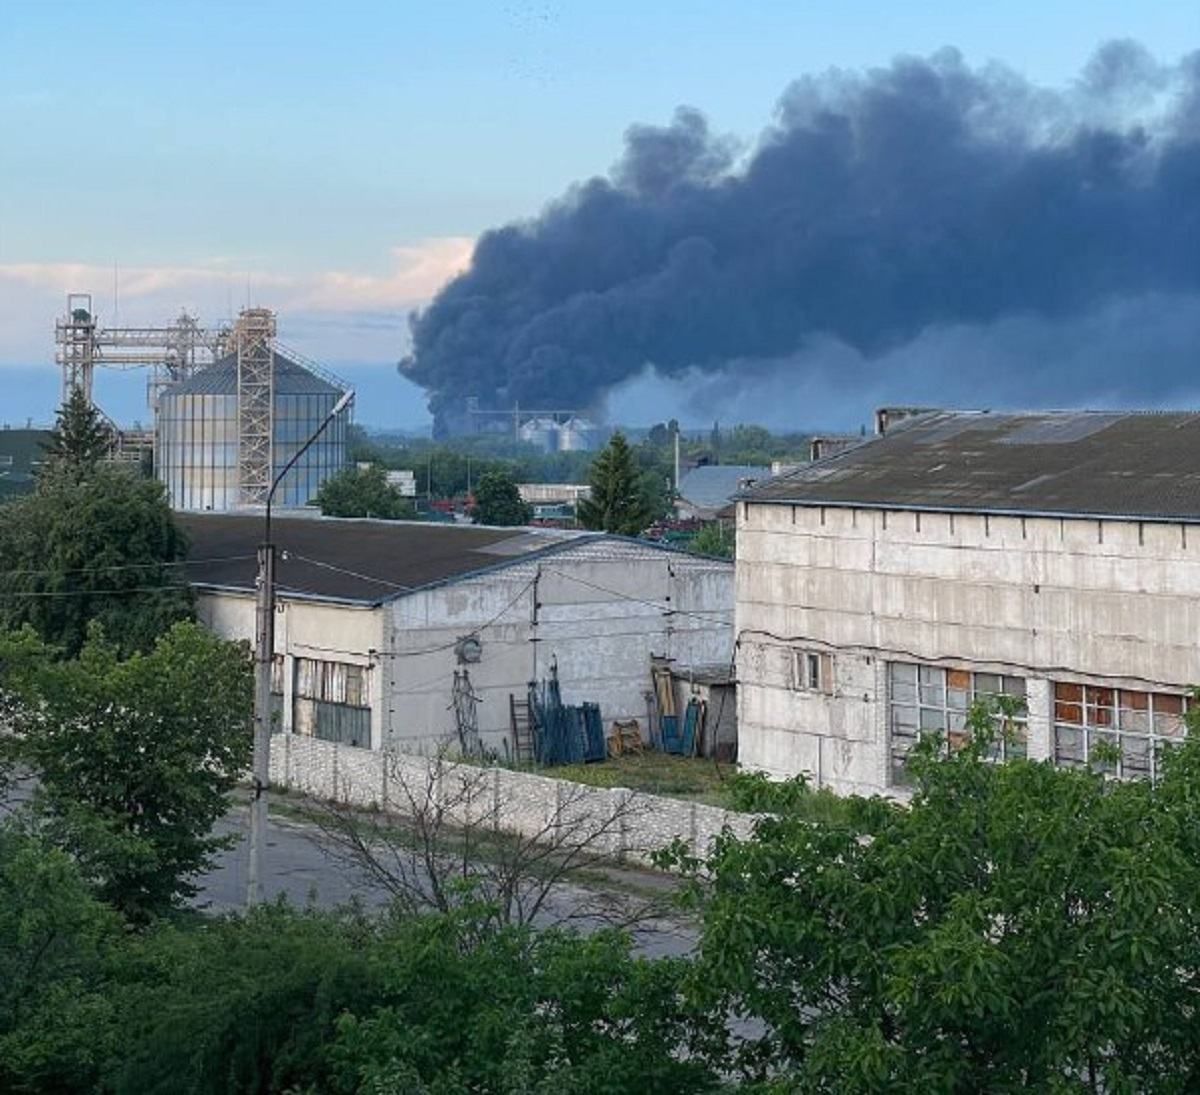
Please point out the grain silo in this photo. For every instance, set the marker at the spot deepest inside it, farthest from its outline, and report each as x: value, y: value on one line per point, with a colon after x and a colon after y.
x: 542, y: 432
x: 576, y: 435
x: 224, y: 433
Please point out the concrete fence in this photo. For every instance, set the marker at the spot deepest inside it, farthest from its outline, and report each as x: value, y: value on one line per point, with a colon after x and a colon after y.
x: 616, y: 821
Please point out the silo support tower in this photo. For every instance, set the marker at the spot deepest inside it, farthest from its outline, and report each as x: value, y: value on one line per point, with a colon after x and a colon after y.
x: 253, y: 333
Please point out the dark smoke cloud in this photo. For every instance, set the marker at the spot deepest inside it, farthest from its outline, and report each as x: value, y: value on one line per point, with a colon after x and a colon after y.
x: 879, y: 208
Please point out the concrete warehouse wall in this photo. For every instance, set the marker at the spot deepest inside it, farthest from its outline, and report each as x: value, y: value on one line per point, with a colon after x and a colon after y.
x: 597, y: 610
x: 1114, y: 602
x: 516, y: 802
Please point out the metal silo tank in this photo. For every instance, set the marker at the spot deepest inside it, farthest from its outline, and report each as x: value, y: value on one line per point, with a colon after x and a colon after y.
x: 196, y: 443
x: 576, y: 435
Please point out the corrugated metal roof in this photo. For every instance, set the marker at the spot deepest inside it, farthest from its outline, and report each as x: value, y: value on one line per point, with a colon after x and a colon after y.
x: 1086, y: 463
x: 220, y: 378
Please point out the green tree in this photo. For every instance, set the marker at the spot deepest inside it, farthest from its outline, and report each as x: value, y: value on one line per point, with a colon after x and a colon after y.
x: 362, y: 492
x: 498, y: 502
x: 1017, y: 926
x: 81, y: 438
x: 102, y: 546
x: 134, y: 758
x: 518, y: 1012
x: 714, y: 539
x: 344, y: 1003
x: 57, y: 1016
x: 243, y: 1004
x: 618, y: 502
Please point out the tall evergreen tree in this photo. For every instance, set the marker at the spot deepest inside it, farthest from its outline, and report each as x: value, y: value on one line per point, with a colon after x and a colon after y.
x: 99, y: 544
x: 618, y: 502
x: 81, y: 438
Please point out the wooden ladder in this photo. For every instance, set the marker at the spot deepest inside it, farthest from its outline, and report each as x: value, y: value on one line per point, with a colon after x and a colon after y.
x: 522, y: 729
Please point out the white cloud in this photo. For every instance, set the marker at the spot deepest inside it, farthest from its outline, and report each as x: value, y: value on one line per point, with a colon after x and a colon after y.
x: 417, y: 274
x: 318, y: 312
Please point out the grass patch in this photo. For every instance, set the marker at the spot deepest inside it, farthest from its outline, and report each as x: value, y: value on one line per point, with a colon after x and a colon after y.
x: 698, y: 780
x: 691, y: 778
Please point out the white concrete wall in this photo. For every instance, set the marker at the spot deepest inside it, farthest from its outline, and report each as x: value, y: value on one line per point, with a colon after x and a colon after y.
x: 513, y: 801
x: 1117, y: 602
x: 601, y: 610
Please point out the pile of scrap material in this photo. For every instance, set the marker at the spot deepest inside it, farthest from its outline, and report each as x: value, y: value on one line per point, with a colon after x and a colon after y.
x: 624, y: 738
x: 563, y: 733
x: 670, y: 731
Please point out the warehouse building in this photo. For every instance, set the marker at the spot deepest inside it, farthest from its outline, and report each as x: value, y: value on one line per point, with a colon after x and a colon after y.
x: 377, y: 619
x: 1050, y: 557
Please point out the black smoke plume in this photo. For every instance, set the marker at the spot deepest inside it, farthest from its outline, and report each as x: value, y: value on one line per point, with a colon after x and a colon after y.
x: 878, y: 208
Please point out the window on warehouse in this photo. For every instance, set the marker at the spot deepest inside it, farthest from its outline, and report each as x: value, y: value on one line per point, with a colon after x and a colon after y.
x: 932, y: 699
x: 1116, y: 730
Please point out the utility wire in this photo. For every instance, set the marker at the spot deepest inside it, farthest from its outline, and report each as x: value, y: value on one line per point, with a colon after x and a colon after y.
x: 127, y: 566
x: 302, y: 646
x: 5, y: 594
x: 711, y: 617
x: 473, y: 633
x: 342, y: 570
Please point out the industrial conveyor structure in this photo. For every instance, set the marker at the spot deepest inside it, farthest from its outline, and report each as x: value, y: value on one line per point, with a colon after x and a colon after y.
x: 171, y: 353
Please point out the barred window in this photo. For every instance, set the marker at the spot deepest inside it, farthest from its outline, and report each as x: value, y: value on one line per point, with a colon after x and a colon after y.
x: 930, y: 699
x: 1138, y: 727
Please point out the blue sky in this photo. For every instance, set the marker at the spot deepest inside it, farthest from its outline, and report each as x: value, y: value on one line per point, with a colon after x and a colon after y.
x: 335, y: 160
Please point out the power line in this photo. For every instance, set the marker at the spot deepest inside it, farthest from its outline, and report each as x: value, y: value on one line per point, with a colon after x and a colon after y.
x: 342, y: 570
x: 473, y: 633
x: 303, y: 646
x: 711, y: 617
x: 89, y: 592
x: 127, y: 566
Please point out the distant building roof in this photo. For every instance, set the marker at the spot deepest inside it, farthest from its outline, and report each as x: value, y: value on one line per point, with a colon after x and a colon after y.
x: 713, y: 485
x: 21, y: 454
x: 220, y: 378
x: 1087, y: 463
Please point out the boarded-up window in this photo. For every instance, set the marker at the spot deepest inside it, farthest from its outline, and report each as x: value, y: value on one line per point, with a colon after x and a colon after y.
x: 1121, y: 731
x: 332, y: 682
x: 812, y: 671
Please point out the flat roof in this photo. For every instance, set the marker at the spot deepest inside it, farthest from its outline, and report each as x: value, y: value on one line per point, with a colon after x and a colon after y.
x: 361, y: 561
x: 1118, y: 464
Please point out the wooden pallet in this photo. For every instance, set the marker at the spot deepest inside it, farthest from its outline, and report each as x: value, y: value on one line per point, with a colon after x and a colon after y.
x: 624, y: 737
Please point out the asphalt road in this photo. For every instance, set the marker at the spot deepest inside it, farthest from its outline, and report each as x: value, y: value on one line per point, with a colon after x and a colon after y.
x: 297, y: 867
x: 294, y: 866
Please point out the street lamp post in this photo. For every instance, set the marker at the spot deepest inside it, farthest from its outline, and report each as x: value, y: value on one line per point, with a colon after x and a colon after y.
x: 264, y: 653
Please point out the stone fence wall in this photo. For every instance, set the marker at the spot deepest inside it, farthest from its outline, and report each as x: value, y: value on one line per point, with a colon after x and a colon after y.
x: 615, y: 821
